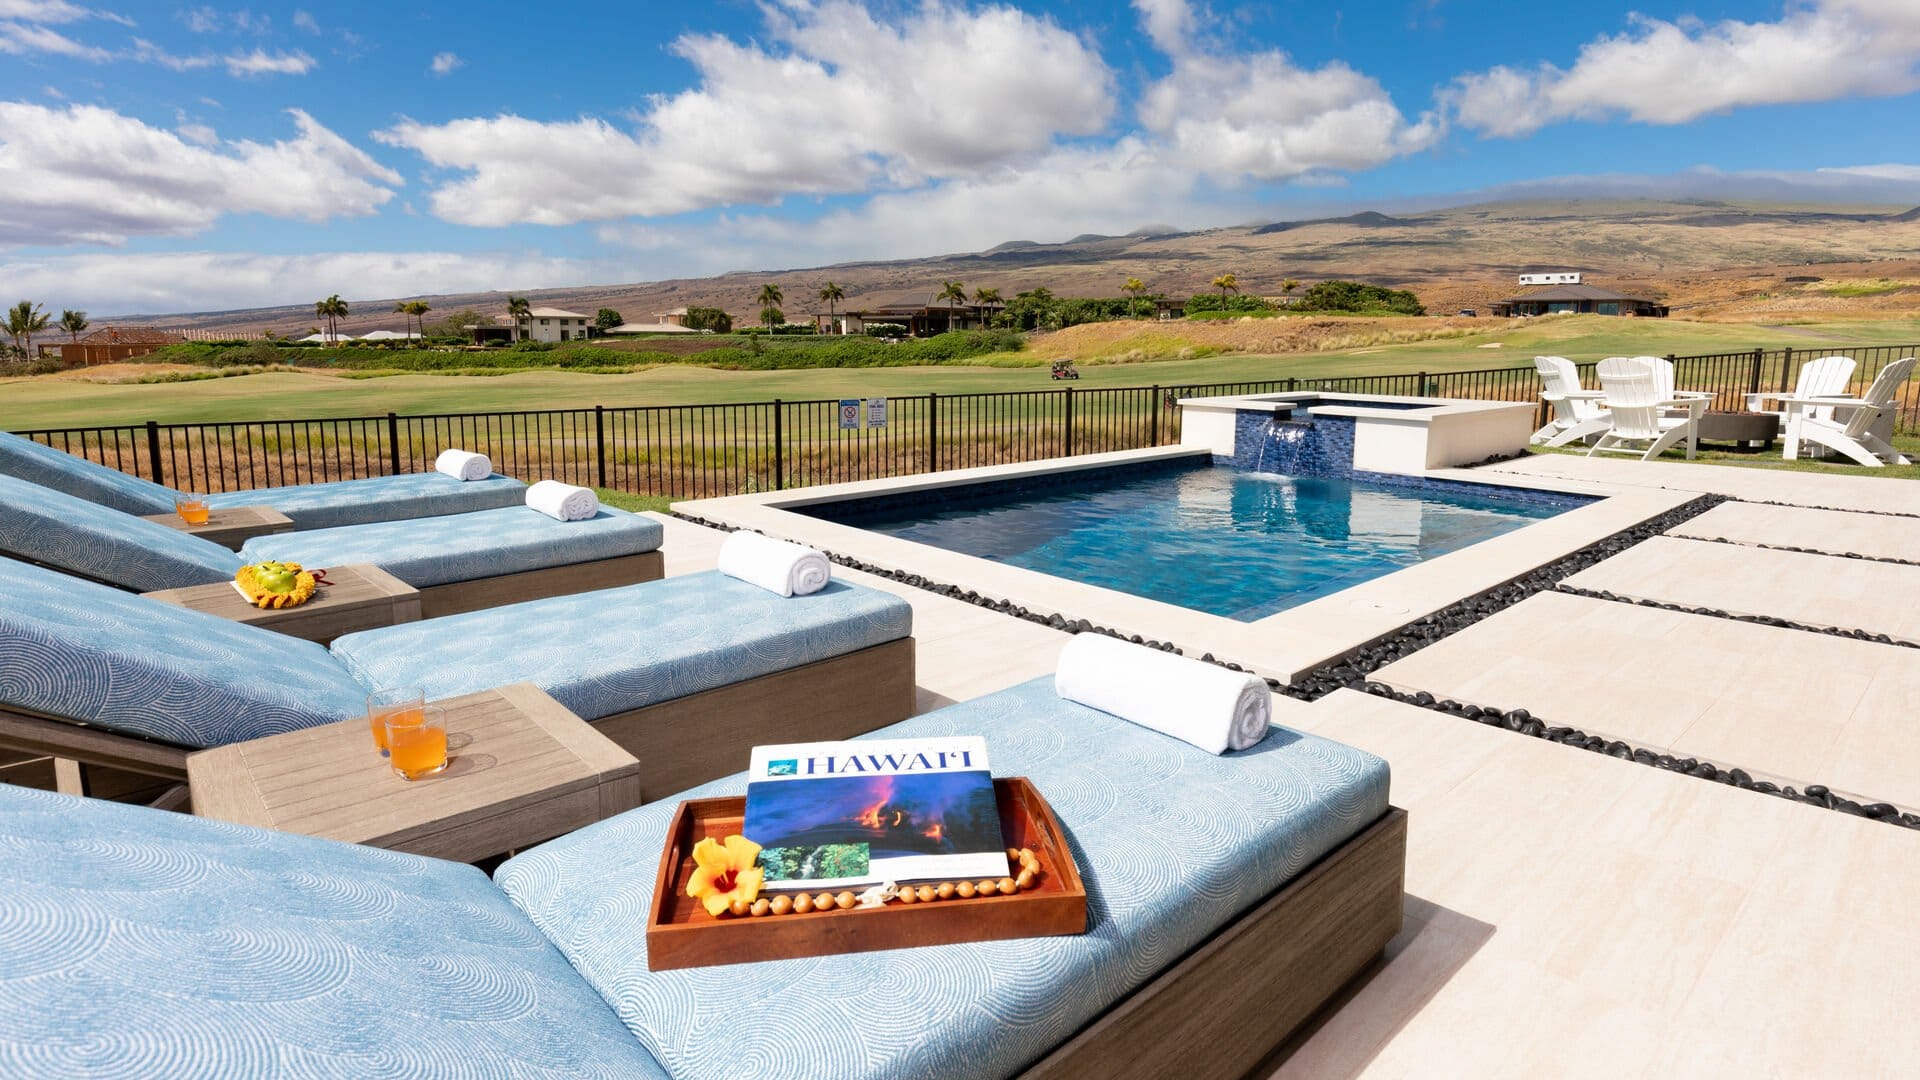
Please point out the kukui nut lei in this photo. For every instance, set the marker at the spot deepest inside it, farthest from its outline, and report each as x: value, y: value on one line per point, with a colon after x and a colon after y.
x: 1025, y: 878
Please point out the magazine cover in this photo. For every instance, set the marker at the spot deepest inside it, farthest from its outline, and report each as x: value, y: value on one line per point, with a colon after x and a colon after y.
x: 845, y: 814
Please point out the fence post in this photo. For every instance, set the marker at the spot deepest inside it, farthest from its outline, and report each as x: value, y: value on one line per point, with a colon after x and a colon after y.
x: 153, y: 452
x: 600, y: 445
x: 1786, y: 369
x: 779, y: 451
x: 933, y: 432
x: 1069, y: 440
x: 393, y: 444
x: 1753, y: 376
x: 1156, y: 416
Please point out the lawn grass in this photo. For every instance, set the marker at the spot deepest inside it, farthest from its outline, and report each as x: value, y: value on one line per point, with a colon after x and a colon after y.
x: 659, y: 504
x: 38, y: 402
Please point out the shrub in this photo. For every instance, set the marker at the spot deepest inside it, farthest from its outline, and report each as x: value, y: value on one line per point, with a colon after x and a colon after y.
x: 45, y: 365
x: 708, y: 318
x: 1211, y: 303
x: 1356, y: 296
x: 886, y: 330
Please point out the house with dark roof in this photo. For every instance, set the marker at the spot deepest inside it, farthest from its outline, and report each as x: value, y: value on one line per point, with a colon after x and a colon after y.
x: 1579, y: 299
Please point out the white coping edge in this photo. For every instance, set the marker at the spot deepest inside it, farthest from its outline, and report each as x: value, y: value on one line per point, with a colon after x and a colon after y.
x: 1286, y: 400
x: 1286, y: 645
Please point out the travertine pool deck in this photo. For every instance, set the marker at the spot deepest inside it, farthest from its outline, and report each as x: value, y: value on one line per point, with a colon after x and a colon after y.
x: 1876, y: 536
x: 1570, y: 914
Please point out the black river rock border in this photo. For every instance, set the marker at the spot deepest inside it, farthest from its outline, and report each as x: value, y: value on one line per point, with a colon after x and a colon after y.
x: 1352, y: 671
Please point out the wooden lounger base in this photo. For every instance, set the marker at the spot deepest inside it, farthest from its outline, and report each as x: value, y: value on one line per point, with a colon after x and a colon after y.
x: 1224, y: 1010
x: 462, y: 596
x: 705, y: 736
x: 680, y: 743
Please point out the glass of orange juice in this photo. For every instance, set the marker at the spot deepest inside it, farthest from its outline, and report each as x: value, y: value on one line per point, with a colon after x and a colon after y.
x: 400, y: 702
x: 418, y: 746
x: 191, y: 508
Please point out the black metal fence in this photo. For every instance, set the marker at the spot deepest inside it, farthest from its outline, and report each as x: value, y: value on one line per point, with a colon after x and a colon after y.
x: 703, y: 451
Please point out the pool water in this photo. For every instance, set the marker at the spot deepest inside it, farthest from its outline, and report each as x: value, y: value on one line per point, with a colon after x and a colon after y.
x: 1238, y: 544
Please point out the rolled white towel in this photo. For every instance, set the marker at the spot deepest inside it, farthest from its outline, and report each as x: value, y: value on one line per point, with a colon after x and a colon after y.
x: 563, y: 501
x: 775, y: 565
x: 463, y: 465
x: 1214, y: 709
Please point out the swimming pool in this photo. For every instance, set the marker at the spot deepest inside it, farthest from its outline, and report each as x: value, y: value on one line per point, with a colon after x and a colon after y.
x: 1213, y: 538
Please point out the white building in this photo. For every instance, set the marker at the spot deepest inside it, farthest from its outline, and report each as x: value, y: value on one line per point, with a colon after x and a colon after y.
x: 552, y: 324
x: 1552, y: 277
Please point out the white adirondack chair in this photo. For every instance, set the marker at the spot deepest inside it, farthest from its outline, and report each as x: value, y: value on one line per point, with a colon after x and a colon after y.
x: 1850, y: 431
x: 1662, y: 369
x: 1825, y: 377
x: 1577, y: 413
x: 1641, y: 415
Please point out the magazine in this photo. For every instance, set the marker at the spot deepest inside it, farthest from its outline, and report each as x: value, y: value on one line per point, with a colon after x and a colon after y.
x: 839, y: 815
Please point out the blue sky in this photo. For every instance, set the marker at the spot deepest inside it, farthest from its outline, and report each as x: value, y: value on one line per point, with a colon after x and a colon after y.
x: 161, y: 157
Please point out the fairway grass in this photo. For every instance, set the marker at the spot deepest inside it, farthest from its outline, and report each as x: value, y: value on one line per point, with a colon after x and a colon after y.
x: 48, y: 402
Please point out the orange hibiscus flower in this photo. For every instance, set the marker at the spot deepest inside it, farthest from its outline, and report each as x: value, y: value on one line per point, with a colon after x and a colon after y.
x: 725, y: 872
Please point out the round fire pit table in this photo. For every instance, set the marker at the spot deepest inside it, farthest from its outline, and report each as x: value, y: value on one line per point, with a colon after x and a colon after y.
x: 1755, y: 430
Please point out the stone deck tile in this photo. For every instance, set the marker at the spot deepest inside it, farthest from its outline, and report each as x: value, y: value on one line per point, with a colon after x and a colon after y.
x: 1844, y: 488
x: 1794, y: 706
x: 1832, y: 531
x: 1574, y: 915
x: 1816, y: 590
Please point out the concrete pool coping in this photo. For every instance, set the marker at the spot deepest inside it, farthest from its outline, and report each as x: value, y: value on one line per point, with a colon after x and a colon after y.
x: 1284, y: 646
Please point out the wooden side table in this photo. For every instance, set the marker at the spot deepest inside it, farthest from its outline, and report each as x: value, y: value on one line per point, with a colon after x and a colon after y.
x: 522, y: 769
x: 231, y: 526
x: 361, y: 597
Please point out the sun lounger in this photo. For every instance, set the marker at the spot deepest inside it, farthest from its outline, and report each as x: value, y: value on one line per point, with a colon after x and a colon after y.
x: 1230, y: 899
x: 309, y: 506
x: 1577, y: 413
x: 459, y: 562
x: 1640, y: 410
x: 685, y: 673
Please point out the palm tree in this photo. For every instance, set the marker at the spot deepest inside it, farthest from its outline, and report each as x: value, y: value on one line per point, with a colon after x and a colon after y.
x: 770, y: 300
x: 1289, y: 285
x: 74, y: 323
x: 832, y: 294
x: 24, y: 320
x: 330, y: 309
x: 1134, y: 288
x: 1227, y: 283
x: 518, y: 310
x: 954, y: 294
x: 416, y: 311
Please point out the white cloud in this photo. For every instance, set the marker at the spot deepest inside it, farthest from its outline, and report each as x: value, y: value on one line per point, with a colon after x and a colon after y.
x: 841, y: 101
x: 85, y: 174
x: 306, y: 22
x: 1261, y: 116
x: 55, y: 11
x: 121, y: 283
x: 444, y: 63
x: 19, y: 40
x: 259, y: 62
x: 200, y: 20
x: 1888, y: 171
x: 1662, y: 72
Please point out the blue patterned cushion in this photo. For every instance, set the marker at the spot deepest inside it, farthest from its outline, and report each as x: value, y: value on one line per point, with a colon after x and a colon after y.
x: 462, y: 547
x: 605, y: 652
x: 1172, y: 842
x: 135, y: 942
x: 86, y: 652
x: 58, y: 529
x: 61, y: 471
x: 379, y: 498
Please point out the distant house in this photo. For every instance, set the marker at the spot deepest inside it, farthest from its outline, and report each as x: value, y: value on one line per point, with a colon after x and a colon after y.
x: 389, y: 335
x: 650, y: 328
x: 1579, y: 299
x: 919, y: 320
x: 324, y: 338
x: 1551, y: 277
x: 114, y: 343
x: 547, y: 324
x: 676, y: 317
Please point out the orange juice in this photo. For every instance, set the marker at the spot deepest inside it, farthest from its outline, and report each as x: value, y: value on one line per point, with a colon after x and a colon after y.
x: 192, y: 511
x: 403, y: 714
x: 418, y: 749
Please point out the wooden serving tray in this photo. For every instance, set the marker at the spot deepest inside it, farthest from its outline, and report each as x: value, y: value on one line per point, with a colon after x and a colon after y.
x: 680, y: 933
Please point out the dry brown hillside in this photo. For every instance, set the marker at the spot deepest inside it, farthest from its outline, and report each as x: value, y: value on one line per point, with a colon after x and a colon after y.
x: 1707, y: 259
